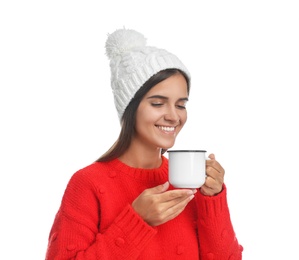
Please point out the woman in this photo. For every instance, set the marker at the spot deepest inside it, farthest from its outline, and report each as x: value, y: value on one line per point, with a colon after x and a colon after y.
x: 122, y: 206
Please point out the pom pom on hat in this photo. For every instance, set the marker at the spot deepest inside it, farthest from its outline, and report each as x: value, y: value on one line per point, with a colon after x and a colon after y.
x: 122, y: 41
x: 132, y: 63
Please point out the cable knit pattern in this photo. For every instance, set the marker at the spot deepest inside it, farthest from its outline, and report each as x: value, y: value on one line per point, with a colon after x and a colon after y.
x: 132, y: 63
x: 96, y: 220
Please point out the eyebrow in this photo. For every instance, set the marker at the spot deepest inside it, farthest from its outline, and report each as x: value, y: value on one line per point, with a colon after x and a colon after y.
x: 163, y: 97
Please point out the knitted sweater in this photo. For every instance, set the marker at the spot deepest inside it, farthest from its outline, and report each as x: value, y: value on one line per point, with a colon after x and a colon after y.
x: 96, y: 220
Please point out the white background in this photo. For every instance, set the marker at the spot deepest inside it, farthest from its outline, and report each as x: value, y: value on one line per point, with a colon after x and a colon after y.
x: 57, y: 111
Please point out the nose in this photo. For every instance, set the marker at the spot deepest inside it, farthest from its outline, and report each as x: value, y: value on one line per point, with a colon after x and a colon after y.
x: 172, y: 114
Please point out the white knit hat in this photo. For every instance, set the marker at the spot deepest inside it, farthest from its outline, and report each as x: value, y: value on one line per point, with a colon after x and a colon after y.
x: 132, y: 63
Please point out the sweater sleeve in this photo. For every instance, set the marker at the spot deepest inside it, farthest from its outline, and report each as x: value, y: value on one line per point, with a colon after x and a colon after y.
x: 75, y: 231
x: 217, y: 238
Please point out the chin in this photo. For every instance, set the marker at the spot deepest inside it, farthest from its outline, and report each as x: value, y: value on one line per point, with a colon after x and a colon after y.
x: 166, y: 147
x: 165, y: 144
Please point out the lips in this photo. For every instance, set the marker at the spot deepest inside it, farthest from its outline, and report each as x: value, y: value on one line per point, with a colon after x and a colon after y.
x: 169, y: 129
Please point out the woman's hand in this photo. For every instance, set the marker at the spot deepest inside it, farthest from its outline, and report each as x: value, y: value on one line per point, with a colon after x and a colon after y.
x: 214, y: 179
x: 157, y: 205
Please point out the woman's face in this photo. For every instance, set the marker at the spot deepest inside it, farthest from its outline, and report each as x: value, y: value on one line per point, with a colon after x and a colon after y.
x: 162, y: 113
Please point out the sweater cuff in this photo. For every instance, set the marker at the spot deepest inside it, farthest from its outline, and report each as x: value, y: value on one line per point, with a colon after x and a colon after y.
x: 133, y: 229
x: 212, y: 206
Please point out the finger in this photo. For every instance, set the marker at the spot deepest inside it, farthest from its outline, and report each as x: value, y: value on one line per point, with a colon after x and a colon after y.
x: 178, y: 194
x: 215, y: 165
x: 206, y: 191
x: 177, y: 208
x: 212, y: 186
x: 209, y: 183
x: 215, y: 174
x: 158, y: 189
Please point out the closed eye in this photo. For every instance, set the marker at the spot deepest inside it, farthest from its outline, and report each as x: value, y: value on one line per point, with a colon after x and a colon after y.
x: 182, y: 104
x: 181, y: 107
x: 156, y: 104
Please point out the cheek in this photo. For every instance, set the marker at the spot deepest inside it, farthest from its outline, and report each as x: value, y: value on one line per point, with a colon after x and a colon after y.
x: 144, y: 117
x: 184, y: 117
x: 142, y: 114
x: 146, y: 113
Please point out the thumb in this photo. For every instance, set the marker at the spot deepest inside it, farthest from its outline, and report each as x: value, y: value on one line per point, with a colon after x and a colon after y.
x: 212, y: 156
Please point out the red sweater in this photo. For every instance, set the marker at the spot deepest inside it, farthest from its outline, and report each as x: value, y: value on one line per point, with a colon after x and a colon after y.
x: 96, y: 220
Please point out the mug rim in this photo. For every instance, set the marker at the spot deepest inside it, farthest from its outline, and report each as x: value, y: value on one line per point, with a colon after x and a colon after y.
x: 186, y: 151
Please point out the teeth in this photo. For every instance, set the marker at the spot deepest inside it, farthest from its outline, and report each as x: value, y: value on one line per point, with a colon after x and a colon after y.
x: 166, y: 128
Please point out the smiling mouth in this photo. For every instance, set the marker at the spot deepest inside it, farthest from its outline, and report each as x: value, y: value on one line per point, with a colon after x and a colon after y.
x: 169, y: 129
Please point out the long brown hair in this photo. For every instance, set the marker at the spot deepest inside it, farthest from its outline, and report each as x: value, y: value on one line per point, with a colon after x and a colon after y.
x: 129, y: 117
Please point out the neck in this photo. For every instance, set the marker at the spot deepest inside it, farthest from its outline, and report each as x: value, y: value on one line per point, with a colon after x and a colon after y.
x: 142, y: 158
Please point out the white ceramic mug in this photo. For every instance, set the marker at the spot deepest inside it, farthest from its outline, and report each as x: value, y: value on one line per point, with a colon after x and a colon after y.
x: 187, y: 168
